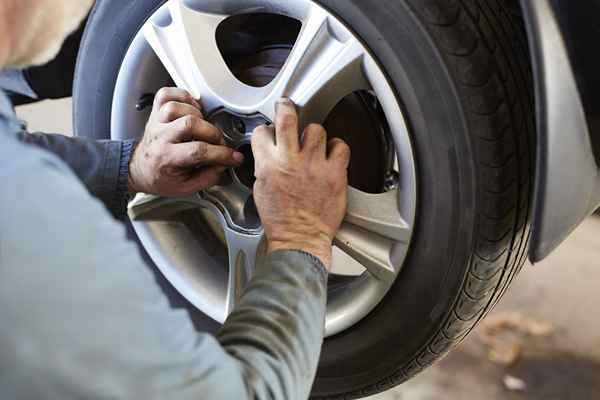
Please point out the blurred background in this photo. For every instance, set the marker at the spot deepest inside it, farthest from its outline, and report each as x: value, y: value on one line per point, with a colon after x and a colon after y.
x: 541, y: 342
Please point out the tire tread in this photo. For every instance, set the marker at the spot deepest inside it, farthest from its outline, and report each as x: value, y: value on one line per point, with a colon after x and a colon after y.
x: 484, y: 42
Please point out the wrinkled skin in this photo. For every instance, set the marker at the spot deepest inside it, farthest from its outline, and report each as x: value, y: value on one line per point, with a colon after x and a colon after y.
x: 301, y: 186
x: 180, y: 152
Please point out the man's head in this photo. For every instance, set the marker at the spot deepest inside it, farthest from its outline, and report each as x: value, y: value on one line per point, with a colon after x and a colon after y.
x: 32, y: 31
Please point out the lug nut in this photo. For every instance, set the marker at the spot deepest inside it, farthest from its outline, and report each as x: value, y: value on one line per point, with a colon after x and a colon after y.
x: 392, y: 181
x: 145, y: 101
x: 240, y: 127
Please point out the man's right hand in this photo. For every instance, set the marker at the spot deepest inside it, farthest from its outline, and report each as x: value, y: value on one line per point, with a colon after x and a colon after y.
x: 301, y: 186
x: 181, y: 153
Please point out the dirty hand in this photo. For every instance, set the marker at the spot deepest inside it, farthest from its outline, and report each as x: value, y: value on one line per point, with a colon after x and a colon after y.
x: 180, y: 152
x: 301, y: 187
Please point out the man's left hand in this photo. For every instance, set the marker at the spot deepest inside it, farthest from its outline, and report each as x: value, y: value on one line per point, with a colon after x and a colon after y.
x: 181, y: 153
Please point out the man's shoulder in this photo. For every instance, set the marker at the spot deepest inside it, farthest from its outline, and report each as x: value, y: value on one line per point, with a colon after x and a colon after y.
x: 14, y: 154
x: 35, y: 181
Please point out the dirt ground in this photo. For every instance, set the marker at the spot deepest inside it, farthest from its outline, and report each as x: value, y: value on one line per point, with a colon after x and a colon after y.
x: 563, y: 293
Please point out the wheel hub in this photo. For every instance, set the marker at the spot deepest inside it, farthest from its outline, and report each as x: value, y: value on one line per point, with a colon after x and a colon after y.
x: 236, y: 128
x: 233, y: 195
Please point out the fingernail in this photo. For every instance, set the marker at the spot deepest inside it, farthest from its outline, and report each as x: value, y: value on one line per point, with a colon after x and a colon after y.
x: 238, y: 157
x: 284, y: 101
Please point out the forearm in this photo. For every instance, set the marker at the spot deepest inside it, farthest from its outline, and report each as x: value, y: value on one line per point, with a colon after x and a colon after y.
x: 102, y: 166
x: 276, y: 331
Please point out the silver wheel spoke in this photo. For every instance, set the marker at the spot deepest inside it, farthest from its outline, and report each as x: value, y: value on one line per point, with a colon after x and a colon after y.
x: 377, y: 213
x: 323, y: 67
x: 369, y: 249
x: 147, y: 207
x: 183, y: 40
x: 242, y: 250
x: 321, y: 70
x: 372, y: 225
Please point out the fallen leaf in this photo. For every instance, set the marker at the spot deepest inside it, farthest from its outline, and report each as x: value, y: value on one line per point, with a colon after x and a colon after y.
x: 499, y: 333
x: 505, y: 352
x: 516, y: 321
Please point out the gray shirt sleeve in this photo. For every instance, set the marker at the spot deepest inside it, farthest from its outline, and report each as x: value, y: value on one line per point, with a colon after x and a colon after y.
x: 101, y: 165
x: 83, y: 317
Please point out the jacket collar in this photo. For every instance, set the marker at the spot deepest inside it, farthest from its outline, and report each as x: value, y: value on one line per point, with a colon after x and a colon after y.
x: 6, y: 108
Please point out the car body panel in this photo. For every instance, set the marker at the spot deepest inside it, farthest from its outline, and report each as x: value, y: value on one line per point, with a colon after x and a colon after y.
x: 567, y: 180
x: 581, y: 30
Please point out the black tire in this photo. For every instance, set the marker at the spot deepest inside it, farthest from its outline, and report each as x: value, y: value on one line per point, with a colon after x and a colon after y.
x: 461, y: 70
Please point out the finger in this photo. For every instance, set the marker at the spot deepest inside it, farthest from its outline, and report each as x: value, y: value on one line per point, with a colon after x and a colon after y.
x: 286, y: 126
x: 197, y: 154
x: 173, y: 110
x: 263, y: 142
x: 190, y: 127
x: 339, y: 152
x: 203, y: 179
x: 315, y: 141
x: 167, y: 94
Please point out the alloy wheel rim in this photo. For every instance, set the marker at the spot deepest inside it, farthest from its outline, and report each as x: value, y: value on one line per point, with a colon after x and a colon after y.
x: 327, y: 63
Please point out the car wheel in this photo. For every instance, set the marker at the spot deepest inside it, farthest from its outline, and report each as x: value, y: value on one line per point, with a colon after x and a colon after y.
x: 435, y: 100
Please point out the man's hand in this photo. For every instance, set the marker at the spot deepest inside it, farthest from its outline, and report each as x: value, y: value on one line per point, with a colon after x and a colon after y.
x: 180, y: 152
x: 301, y: 187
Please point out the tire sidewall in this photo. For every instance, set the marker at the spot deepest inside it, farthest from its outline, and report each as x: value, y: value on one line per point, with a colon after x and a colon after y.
x: 111, y: 28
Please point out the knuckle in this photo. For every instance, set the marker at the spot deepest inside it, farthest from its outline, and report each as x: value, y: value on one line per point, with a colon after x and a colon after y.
x: 345, y: 149
x: 187, y: 123
x: 337, y: 181
x: 227, y: 152
x: 161, y: 160
x: 347, y: 153
x: 288, y: 120
x: 336, y: 142
x: 163, y: 170
x: 316, y: 129
x: 199, y: 152
x: 164, y: 91
x: 188, y: 97
x: 261, y: 132
x: 342, y: 149
x: 341, y: 180
x: 221, y: 154
x: 332, y: 181
x: 215, y: 133
x: 169, y: 111
x: 162, y: 95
